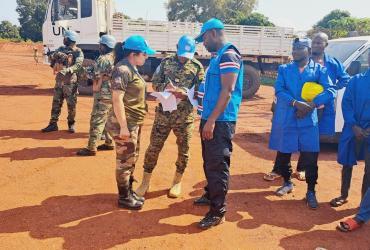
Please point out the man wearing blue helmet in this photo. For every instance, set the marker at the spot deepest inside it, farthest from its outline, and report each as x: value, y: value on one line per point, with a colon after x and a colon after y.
x: 102, y: 97
x: 66, y: 80
x: 176, y: 74
x: 221, y: 103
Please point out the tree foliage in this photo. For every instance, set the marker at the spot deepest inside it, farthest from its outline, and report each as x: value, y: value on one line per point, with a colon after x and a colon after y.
x: 340, y: 23
x: 31, y: 16
x: 256, y: 19
x: 9, y: 31
x: 229, y: 11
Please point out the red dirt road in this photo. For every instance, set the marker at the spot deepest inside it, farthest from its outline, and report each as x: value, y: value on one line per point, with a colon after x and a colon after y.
x: 52, y: 199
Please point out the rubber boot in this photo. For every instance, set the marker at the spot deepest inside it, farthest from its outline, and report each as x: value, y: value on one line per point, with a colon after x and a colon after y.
x: 53, y: 126
x: 144, y: 187
x: 175, y: 190
x: 139, y: 198
x: 127, y: 200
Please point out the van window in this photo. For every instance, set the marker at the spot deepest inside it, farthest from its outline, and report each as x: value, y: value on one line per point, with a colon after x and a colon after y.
x: 86, y: 8
x: 64, y: 10
x: 363, y: 60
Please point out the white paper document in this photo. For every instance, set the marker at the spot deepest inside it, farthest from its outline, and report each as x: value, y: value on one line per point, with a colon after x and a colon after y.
x: 190, y: 94
x: 167, y: 99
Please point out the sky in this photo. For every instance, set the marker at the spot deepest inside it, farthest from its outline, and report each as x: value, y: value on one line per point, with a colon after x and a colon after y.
x: 299, y: 14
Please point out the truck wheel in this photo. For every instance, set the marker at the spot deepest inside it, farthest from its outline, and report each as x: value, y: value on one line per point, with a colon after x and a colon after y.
x: 85, y: 87
x: 251, y: 82
x: 85, y: 84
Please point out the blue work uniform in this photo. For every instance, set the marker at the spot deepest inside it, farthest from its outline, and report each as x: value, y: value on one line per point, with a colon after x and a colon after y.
x: 340, y: 79
x: 288, y: 133
x: 356, y: 111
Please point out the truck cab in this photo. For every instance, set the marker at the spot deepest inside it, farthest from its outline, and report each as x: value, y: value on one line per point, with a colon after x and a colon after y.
x: 353, y: 53
x: 89, y: 18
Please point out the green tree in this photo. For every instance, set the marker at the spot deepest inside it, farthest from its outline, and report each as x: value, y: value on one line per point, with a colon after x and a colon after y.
x: 31, y: 16
x: 229, y: 11
x: 9, y: 31
x: 256, y: 19
x: 340, y: 23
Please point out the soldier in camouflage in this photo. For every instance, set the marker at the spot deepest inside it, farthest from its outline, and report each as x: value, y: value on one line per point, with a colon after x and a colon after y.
x: 101, y: 75
x: 176, y: 74
x: 127, y: 116
x: 66, y: 62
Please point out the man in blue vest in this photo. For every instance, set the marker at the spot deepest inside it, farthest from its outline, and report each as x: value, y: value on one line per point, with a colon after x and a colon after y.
x: 295, y: 122
x: 221, y: 103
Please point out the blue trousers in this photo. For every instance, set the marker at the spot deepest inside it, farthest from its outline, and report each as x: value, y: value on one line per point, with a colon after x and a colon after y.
x: 364, y: 213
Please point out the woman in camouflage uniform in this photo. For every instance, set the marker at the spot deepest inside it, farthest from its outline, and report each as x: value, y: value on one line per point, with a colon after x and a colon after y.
x: 102, y: 98
x: 126, y: 119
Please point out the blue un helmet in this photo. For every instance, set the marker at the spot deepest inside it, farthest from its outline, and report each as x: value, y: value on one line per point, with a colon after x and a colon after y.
x: 186, y: 47
x: 71, y: 35
x: 211, y: 24
x: 108, y: 40
x: 138, y: 43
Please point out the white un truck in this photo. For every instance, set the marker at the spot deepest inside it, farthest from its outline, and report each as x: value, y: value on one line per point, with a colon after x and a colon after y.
x: 262, y: 48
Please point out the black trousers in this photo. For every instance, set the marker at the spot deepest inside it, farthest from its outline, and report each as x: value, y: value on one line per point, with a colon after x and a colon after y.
x: 276, y: 168
x: 308, y: 161
x: 347, y: 177
x: 216, y: 163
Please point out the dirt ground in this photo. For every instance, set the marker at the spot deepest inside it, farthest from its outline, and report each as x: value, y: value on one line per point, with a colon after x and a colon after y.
x: 52, y: 199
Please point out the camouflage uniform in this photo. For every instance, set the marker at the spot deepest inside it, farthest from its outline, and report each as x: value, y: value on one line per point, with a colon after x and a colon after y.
x: 66, y: 85
x: 102, y: 102
x: 181, y: 121
x: 127, y: 79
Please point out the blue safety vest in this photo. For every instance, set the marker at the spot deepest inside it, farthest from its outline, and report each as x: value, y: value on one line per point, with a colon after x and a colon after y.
x: 213, y: 88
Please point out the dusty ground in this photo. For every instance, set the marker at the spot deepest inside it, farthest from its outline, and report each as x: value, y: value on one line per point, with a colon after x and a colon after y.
x: 52, y: 199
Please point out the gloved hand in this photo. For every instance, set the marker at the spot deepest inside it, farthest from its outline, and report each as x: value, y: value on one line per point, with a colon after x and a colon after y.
x: 303, y: 108
x: 359, y: 132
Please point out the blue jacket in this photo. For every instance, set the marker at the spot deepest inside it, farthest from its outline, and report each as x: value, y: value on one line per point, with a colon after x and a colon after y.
x: 356, y: 111
x: 340, y: 79
x: 288, y: 133
x: 213, y: 88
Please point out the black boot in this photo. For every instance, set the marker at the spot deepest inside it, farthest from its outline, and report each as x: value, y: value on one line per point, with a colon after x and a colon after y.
x: 71, y: 127
x: 127, y: 200
x: 139, y: 198
x: 53, y: 126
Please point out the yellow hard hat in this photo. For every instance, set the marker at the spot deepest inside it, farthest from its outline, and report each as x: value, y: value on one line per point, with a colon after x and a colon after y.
x: 310, y: 90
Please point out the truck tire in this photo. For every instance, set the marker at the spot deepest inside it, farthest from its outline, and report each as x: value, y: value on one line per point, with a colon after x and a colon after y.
x: 251, y: 82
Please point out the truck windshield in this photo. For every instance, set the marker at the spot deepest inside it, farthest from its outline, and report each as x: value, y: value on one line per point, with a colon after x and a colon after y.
x: 343, y: 49
x: 64, y: 10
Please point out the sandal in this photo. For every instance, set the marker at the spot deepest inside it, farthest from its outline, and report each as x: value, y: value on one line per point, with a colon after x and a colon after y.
x: 300, y: 175
x: 337, y: 202
x: 349, y: 225
x: 271, y: 176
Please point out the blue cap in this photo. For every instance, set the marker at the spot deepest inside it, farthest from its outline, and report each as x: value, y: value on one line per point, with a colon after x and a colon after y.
x: 305, y: 42
x: 108, y: 40
x: 186, y: 47
x: 71, y: 35
x: 212, y: 23
x: 136, y: 42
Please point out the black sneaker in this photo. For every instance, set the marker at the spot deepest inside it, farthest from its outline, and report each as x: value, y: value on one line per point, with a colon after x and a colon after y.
x: 71, y: 128
x: 210, y: 221
x: 86, y: 152
x: 50, y: 128
x: 105, y: 147
x: 202, y: 201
